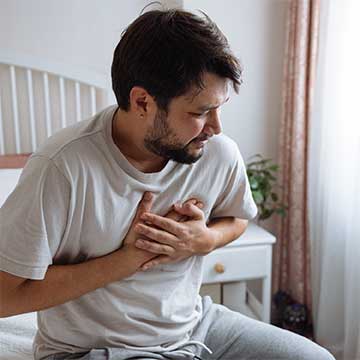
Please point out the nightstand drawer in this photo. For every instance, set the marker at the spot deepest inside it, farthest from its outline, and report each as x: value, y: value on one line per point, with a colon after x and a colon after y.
x: 237, y: 263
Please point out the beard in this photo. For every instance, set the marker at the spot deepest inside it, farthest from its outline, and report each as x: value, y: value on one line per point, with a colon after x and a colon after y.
x: 162, y: 141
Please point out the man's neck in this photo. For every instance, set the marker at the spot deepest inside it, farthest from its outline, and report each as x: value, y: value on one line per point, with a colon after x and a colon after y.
x: 128, y: 135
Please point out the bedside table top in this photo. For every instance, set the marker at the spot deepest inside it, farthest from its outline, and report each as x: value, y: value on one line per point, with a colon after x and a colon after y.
x: 253, y: 235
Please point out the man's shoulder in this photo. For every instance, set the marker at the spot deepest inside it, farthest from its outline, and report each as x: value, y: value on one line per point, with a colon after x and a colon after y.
x: 223, y: 149
x: 69, y: 140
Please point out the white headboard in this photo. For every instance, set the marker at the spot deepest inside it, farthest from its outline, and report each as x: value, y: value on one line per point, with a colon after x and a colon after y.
x: 38, y: 97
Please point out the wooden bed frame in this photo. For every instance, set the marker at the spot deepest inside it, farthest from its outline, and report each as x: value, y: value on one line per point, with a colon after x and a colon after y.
x: 16, y: 161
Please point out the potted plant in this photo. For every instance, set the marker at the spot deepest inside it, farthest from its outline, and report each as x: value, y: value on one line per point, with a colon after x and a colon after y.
x: 262, y: 178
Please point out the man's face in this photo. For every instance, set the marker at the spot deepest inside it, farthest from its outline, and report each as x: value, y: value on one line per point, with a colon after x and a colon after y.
x: 192, y: 118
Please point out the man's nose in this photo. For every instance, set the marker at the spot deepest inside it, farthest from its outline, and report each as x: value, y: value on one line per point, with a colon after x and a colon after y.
x: 214, y: 123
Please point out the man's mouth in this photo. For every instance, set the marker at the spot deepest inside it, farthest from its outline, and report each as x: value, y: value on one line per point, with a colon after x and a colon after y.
x: 204, y: 138
x: 201, y: 143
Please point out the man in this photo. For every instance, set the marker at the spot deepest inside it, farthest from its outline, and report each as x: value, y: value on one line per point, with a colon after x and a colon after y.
x: 90, y: 237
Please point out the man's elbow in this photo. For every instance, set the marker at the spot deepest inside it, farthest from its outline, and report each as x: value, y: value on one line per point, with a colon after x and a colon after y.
x: 242, y: 225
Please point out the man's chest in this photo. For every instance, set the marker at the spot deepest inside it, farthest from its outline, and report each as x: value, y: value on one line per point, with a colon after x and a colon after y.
x: 101, y: 213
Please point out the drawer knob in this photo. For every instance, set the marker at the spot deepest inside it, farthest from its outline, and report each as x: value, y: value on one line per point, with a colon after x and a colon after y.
x: 219, y: 268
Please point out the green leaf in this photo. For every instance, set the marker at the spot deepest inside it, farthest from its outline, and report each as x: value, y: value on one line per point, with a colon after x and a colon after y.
x: 264, y: 161
x: 263, y: 183
x: 254, y: 184
x: 258, y: 197
x: 266, y: 213
x: 269, y: 175
x: 261, y: 162
x: 255, y: 156
x: 266, y: 187
x: 281, y: 211
x: 259, y: 178
x: 274, y: 167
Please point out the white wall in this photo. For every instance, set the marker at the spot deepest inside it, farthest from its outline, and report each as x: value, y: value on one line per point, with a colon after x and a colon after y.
x: 255, y: 31
x: 80, y: 33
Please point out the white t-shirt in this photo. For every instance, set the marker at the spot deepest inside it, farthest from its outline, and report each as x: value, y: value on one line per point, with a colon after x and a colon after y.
x: 75, y: 201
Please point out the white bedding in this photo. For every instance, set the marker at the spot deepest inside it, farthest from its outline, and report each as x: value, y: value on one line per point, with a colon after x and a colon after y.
x: 16, y: 336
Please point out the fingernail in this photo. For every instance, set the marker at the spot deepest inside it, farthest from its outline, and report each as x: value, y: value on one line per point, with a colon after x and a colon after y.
x: 148, y: 196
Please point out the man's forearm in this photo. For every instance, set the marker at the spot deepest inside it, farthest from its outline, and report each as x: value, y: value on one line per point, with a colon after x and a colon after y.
x: 174, y: 241
x: 226, y: 230
x: 63, y: 283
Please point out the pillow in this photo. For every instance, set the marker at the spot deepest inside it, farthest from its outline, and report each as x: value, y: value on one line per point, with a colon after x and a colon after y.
x: 10, y: 170
x: 8, y: 180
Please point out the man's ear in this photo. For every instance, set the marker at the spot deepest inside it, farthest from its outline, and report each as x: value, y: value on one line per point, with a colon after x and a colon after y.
x: 141, y: 102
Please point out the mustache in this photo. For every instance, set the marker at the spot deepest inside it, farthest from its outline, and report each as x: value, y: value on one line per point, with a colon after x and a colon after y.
x: 202, y: 138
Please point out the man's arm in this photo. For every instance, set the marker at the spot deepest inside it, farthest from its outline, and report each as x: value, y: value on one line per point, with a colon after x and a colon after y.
x: 63, y: 283
x: 173, y: 241
x: 227, y: 229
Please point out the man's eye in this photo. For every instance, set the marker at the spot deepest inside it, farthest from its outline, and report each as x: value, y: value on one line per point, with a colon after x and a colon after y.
x: 197, y: 114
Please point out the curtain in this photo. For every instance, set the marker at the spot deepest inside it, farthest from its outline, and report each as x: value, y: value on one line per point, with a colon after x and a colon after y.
x: 291, y: 264
x: 334, y: 181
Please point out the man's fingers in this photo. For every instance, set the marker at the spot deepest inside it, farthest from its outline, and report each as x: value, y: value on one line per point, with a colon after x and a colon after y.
x: 161, y: 259
x: 159, y: 228
x: 190, y: 210
x: 146, y: 201
x: 174, y: 215
x: 145, y: 204
x: 162, y: 234
x: 199, y: 204
x: 154, y: 247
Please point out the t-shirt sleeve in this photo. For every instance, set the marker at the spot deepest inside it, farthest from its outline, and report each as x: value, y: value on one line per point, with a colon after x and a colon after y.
x: 236, y: 198
x: 33, y: 219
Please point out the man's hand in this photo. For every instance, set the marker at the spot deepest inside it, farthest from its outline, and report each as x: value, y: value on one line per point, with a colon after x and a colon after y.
x: 139, y: 256
x: 173, y: 241
x: 145, y: 206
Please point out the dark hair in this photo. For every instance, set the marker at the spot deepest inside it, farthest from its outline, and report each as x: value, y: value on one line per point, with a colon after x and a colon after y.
x: 167, y: 52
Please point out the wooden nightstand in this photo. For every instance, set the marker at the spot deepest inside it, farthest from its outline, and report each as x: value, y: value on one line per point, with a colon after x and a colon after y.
x: 247, y: 258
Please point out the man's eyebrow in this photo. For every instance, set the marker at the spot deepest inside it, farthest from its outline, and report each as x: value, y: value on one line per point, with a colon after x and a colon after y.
x: 210, y: 107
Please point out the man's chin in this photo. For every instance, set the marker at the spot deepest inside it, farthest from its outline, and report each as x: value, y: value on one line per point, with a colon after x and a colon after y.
x: 190, y: 157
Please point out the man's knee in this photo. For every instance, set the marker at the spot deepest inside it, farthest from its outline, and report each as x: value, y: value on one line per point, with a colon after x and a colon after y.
x: 294, y: 346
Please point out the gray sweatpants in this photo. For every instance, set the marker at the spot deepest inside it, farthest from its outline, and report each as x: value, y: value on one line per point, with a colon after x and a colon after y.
x: 229, y: 335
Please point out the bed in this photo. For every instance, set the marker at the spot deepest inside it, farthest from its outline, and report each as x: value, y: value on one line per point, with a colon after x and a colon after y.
x: 37, y: 98
x: 16, y: 336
